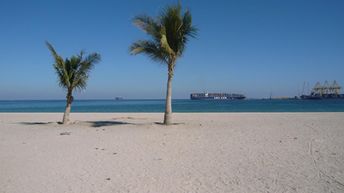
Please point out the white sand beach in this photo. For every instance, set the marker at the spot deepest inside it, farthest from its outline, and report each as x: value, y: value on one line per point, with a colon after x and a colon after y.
x: 203, y: 153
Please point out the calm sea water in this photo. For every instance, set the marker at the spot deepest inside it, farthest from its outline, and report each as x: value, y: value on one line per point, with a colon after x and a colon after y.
x: 179, y: 105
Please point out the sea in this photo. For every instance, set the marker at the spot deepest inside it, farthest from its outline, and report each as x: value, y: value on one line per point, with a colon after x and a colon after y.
x: 179, y: 105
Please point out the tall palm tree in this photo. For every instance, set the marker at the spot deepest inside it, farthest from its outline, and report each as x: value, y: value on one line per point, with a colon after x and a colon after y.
x: 72, y: 74
x: 169, y: 33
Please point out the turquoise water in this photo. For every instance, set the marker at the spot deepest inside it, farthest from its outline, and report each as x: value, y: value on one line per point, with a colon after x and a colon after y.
x: 179, y: 105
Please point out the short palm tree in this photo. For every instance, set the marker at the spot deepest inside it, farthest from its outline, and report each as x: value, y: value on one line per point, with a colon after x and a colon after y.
x: 169, y: 32
x: 72, y: 74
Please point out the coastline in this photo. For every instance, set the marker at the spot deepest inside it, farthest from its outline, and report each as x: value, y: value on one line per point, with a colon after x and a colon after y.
x: 203, y: 152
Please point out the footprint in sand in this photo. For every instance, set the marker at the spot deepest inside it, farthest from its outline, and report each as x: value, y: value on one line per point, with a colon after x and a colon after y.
x: 65, y: 133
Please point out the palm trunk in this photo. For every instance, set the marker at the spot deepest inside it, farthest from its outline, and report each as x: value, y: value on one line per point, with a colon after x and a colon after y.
x: 68, y: 107
x: 168, y: 104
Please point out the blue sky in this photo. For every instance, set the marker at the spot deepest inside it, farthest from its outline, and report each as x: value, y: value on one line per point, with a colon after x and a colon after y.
x: 253, y: 47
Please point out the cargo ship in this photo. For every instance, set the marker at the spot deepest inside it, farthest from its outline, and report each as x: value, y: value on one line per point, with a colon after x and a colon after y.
x: 325, y: 91
x: 118, y: 98
x: 216, y: 96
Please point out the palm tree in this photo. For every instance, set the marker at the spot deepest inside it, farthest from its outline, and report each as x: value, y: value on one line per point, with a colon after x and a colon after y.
x: 72, y: 74
x: 169, y: 32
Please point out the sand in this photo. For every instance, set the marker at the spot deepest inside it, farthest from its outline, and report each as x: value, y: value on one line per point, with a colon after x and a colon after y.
x: 203, y: 153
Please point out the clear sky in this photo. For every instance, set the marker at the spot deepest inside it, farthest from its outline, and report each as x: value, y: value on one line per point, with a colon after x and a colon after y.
x: 253, y: 47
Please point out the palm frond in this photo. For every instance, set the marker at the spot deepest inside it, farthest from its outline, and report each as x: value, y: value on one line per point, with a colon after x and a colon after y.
x: 178, y: 27
x: 58, y: 59
x: 148, y: 25
x: 187, y: 29
x: 59, y: 67
x: 84, y: 67
x: 150, y: 48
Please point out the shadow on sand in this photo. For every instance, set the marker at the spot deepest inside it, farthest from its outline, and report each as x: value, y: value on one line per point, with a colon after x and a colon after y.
x: 92, y: 123
x: 36, y: 123
x: 106, y: 123
x: 161, y: 123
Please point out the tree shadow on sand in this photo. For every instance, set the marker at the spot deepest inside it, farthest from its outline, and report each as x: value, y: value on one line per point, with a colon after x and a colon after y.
x: 161, y: 123
x: 106, y: 123
x: 36, y: 123
x: 92, y: 123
